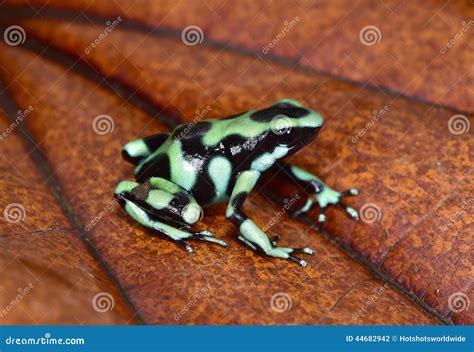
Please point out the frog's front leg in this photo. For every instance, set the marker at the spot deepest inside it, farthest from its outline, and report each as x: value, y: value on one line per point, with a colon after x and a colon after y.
x: 165, y: 207
x: 250, y: 233
x: 321, y: 193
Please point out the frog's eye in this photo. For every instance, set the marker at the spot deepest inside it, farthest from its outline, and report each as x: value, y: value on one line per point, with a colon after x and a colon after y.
x: 281, y: 125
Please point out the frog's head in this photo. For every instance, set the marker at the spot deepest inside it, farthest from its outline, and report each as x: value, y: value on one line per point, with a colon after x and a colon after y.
x: 291, y: 125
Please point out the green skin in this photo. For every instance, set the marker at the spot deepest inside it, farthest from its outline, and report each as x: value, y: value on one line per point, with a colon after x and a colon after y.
x: 214, y: 161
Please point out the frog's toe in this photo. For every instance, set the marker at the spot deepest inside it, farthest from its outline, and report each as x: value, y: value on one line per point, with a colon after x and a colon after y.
x: 322, y: 218
x: 185, y: 246
x: 208, y: 237
x: 350, y: 211
x: 217, y: 241
x: 206, y: 233
x: 350, y: 192
x: 304, y: 250
x: 287, y: 253
x: 297, y: 260
x: 338, y: 202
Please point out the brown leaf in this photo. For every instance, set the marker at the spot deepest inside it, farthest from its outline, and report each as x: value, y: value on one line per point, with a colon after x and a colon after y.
x: 48, y: 274
x: 411, y: 48
x: 162, y: 281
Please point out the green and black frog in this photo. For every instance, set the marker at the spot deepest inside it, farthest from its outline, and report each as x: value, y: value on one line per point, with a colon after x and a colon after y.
x: 222, y: 160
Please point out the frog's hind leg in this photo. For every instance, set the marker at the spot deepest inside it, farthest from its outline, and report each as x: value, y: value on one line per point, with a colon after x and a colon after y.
x: 163, y: 206
x: 139, y: 149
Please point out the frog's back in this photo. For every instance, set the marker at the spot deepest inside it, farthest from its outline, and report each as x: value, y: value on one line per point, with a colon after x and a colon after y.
x: 203, y: 157
x: 184, y: 160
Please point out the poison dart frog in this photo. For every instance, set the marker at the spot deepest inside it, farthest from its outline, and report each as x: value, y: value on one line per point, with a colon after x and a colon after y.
x: 221, y: 160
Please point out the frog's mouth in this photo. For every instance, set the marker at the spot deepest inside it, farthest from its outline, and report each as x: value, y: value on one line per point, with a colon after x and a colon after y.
x: 306, y: 136
x: 299, y: 139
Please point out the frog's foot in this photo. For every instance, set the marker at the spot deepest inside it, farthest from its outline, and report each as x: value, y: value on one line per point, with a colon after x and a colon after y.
x: 278, y: 252
x: 326, y: 197
x: 351, y: 211
x: 204, y: 236
x: 165, y: 208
